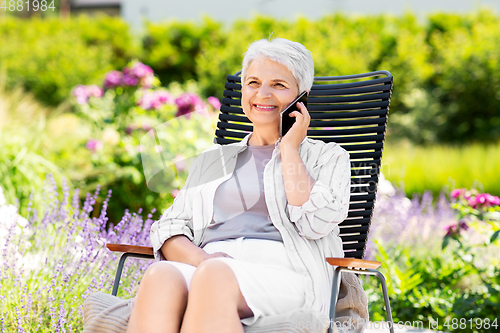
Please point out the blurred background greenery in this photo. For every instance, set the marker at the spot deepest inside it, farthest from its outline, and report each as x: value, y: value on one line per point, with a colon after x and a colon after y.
x: 443, y: 132
x: 444, y: 126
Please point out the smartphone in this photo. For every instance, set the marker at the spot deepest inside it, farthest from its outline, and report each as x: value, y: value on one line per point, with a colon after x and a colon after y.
x: 286, y: 121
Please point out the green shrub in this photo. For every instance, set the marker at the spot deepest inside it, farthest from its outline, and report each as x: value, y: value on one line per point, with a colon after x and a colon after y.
x: 446, y: 83
x: 50, y: 56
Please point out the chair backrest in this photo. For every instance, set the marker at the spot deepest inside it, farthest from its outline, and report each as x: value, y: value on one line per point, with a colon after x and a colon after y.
x: 350, y: 110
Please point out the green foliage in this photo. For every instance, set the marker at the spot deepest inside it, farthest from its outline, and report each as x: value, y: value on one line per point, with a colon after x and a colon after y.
x: 50, y: 56
x: 432, y: 167
x: 171, y: 48
x: 23, y: 157
x: 465, y: 81
x: 445, y: 69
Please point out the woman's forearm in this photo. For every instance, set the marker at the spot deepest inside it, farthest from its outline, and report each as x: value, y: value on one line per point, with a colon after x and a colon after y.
x: 298, y: 182
x: 180, y: 248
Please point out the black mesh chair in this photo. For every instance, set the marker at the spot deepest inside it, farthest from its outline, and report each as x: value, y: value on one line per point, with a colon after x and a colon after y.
x: 350, y: 110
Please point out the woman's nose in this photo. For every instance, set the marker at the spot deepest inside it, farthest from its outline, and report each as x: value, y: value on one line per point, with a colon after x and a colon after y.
x: 264, y: 92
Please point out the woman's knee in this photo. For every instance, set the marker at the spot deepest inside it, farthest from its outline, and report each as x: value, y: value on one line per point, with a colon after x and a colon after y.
x: 213, y: 276
x: 216, y: 279
x: 164, y: 274
x: 213, y: 270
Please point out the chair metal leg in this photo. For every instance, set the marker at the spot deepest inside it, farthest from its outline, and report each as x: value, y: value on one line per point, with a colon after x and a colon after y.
x: 335, y: 294
x: 119, y: 271
x: 335, y: 282
x: 386, y: 300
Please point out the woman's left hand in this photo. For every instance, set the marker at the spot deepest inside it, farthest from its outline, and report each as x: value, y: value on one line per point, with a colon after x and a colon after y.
x: 293, y: 138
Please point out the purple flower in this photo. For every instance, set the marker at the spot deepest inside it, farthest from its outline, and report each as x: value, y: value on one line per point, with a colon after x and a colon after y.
x: 129, y: 80
x: 138, y: 74
x: 451, y: 230
x: 463, y: 226
x: 214, y: 101
x: 128, y: 130
x: 113, y: 79
x: 188, y: 102
x: 93, y: 145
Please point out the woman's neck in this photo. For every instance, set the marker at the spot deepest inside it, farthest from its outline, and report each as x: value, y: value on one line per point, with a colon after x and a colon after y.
x: 262, y: 138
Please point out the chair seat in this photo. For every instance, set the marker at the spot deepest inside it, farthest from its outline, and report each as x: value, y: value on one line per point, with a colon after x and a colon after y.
x: 296, y: 321
x: 104, y: 313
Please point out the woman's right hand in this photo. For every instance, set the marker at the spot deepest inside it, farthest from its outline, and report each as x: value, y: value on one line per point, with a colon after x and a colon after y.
x: 180, y: 248
x: 215, y: 255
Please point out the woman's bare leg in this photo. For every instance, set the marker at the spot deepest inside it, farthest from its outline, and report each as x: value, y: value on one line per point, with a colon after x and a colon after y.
x: 215, y: 302
x: 160, y: 302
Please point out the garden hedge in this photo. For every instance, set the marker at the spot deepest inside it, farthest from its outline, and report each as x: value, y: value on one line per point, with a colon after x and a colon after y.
x: 447, y: 86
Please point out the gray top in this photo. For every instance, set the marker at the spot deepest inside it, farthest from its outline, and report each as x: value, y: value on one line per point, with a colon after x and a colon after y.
x: 240, y: 208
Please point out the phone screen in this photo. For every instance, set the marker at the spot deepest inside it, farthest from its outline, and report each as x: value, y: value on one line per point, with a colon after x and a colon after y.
x: 287, y: 121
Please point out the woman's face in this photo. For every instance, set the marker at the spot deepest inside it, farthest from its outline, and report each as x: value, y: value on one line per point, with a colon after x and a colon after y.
x: 268, y: 89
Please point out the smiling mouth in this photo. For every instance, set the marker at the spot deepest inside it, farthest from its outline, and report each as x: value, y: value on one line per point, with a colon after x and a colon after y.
x: 264, y: 107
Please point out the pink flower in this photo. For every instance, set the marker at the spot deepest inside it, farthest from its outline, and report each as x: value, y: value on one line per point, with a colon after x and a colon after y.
x: 456, y: 192
x: 164, y: 97
x: 94, y: 91
x: 82, y: 93
x: 146, y: 127
x: 214, y: 101
x: 180, y: 162
x: 472, y: 202
x: 93, y: 145
x: 175, y: 192
x: 140, y: 70
x: 154, y: 99
x: 113, y: 79
x: 481, y: 199
x: 494, y: 200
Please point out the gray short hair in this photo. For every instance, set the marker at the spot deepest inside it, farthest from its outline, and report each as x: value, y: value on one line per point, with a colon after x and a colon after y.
x: 294, y: 56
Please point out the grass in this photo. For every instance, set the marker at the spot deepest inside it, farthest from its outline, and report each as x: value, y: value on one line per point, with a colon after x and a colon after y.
x: 438, y: 167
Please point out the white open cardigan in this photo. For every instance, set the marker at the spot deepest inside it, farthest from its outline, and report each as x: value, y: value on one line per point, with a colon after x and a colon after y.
x: 310, y: 232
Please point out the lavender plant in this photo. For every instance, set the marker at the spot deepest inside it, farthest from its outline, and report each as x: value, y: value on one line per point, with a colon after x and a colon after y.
x: 52, y: 260
x: 439, y: 258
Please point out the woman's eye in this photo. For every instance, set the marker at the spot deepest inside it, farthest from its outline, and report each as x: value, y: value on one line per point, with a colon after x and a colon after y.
x: 252, y: 83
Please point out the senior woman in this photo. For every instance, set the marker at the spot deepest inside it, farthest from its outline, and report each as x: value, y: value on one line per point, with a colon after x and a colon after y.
x: 248, y: 234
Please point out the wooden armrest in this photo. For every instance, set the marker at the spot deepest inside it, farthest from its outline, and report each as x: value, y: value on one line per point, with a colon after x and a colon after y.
x: 355, y: 263
x: 147, y: 250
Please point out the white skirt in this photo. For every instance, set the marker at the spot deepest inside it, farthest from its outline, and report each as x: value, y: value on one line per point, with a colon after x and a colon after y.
x: 265, y: 275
